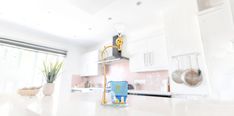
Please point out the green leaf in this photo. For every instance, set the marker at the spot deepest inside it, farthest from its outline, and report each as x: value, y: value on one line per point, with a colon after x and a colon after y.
x: 51, y: 71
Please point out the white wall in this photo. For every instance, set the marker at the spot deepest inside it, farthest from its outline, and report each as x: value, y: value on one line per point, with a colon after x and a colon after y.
x: 72, y: 61
x: 232, y: 7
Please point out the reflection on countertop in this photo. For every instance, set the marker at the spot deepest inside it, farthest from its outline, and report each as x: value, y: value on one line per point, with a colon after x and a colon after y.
x: 88, y: 104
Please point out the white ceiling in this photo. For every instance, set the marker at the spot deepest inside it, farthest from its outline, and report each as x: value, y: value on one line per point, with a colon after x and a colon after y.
x: 82, y: 21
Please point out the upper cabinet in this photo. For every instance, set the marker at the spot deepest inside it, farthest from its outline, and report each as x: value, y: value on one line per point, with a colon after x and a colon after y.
x: 218, y: 22
x: 90, y: 65
x: 148, y: 53
x: 208, y: 4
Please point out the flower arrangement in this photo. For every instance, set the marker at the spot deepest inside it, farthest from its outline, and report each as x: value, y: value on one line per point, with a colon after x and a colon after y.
x: 51, y: 71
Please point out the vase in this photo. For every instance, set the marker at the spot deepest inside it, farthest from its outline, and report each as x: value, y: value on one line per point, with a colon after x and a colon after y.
x: 48, y: 89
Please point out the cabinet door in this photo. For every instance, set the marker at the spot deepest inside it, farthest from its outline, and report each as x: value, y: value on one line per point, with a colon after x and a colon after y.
x: 136, y: 59
x: 90, y: 64
x: 157, y: 53
x: 136, y: 63
x: 151, y: 55
x: 134, y: 47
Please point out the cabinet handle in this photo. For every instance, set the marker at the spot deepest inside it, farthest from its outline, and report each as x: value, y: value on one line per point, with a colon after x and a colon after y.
x: 148, y: 59
x: 152, y: 59
x: 147, y: 63
x: 145, y: 59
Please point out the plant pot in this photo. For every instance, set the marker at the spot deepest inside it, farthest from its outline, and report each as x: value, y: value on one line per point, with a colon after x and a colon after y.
x: 48, y: 89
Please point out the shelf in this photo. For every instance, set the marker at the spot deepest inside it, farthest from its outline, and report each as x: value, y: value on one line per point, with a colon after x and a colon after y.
x: 113, y: 60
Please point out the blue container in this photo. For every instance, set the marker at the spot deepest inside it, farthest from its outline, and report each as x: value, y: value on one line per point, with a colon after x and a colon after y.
x: 120, y: 89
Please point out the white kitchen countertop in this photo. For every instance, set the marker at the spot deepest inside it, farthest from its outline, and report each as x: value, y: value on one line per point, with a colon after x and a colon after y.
x: 88, y: 104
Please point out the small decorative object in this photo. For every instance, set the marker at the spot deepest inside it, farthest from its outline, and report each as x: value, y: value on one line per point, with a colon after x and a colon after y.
x: 119, y: 90
x: 31, y: 91
x: 50, y: 72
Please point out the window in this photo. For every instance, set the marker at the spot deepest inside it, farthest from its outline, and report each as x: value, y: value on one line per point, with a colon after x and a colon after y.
x: 21, y: 67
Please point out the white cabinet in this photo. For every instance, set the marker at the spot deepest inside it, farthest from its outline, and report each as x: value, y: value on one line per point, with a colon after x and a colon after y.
x: 188, y: 31
x: 148, y: 54
x: 90, y: 65
x: 217, y: 35
x: 156, y: 53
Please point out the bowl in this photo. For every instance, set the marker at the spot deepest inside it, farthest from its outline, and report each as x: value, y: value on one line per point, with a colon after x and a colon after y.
x: 33, y: 91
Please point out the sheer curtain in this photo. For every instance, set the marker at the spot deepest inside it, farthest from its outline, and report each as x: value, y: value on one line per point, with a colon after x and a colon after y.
x: 21, y: 68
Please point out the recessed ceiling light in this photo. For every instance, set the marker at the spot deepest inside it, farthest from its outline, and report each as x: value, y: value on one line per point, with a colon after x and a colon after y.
x: 109, y: 18
x: 138, y: 3
x: 90, y: 29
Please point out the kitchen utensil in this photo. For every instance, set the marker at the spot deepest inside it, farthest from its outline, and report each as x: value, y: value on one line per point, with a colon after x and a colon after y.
x: 198, y: 67
x: 176, y: 75
x: 192, y: 77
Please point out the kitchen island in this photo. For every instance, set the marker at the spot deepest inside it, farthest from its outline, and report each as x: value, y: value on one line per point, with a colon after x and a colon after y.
x: 88, y: 104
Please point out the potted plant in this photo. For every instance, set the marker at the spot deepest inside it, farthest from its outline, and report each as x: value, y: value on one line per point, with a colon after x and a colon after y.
x: 50, y: 72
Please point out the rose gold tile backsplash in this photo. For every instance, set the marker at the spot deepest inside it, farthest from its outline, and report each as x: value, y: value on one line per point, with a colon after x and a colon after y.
x: 119, y: 71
